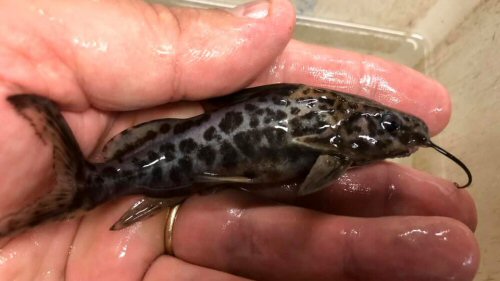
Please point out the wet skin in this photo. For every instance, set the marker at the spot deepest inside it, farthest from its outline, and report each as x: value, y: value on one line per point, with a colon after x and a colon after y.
x: 245, y: 235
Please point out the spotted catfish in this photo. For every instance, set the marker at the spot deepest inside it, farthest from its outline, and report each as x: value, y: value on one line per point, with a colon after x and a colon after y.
x: 260, y: 136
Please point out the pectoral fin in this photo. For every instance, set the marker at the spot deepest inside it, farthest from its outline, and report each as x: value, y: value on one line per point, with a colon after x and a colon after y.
x: 325, y: 169
x: 315, y: 142
x: 214, y: 179
x: 143, y: 209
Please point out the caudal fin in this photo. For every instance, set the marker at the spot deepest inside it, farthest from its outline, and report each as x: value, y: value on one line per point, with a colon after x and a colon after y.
x: 68, y: 164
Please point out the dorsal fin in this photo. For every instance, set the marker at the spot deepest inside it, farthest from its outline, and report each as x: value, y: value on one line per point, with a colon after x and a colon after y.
x: 135, y: 137
x: 246, y: 94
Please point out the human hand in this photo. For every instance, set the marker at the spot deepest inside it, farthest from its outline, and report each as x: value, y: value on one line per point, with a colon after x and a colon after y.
x: 111, y: 64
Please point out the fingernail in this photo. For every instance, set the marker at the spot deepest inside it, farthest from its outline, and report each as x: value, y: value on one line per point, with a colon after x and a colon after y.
x: 254, y: 10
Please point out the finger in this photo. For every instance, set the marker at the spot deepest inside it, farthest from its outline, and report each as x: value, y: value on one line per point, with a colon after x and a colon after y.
x: 127, y: 55
x: 38, y: 253
x: 388, y: 189
x: 100, y: 254
x: 167, y: 268
x: 392, y: 84
x: 269, y: 242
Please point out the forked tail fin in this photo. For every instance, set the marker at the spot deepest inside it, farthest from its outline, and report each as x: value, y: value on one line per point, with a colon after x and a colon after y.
x: 68, y: 164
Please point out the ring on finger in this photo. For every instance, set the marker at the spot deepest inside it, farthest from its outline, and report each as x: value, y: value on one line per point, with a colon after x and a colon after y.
x: 169, y: 229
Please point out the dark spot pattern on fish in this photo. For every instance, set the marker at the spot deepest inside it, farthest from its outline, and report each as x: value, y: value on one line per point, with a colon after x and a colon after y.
x: 324, y: 107
x: 140, y: 163
x: 326, y: 101
x: 210, y: 133
x: 168, y: 151
x: 185, y: 164
x: 156, y: 175
x: 207, y: 155
x: 259, y: 111
x: 254, y: 122
x: 183, y: 126
x: 270, y: 116
x: 126, y: 173
x: 262, y: 98
x: 359, y: 145
x: 109, y: 172
x: 150, y: 135
x: 141, y: 174
x: 294, y: 110
x: 354, y: 106
x: 373, y: 126
x: 250, y: 107
x: 165, y: 128
x: 175, y: 175
x: 245, y: 142
x: 275, y: 137
x: 229, y: 155
x: 193, y: 122
x: 231, y: 121
x: 152, y: 156
x: 309, y: 115
x: 382, y: 144
x: 281, y: 115
x: 98, y: 180
x: 187, y: 146
x: 280, y: 101
x: 298, y: 126
x: 405, y: 138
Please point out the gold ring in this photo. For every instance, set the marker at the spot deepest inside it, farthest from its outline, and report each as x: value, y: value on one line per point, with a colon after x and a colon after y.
x: 169, y: 229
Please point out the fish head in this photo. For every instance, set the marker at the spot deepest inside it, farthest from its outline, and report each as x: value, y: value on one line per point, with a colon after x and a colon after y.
x: 378, y: 133
x: 381, y: 132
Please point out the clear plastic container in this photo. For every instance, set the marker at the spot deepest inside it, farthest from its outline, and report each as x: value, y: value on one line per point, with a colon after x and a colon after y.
x: 454, y: 42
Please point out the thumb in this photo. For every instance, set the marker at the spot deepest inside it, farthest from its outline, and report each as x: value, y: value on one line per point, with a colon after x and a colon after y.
x: 123, y: 55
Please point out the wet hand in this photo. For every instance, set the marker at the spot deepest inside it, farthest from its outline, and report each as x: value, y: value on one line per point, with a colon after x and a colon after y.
x: 113, y: 64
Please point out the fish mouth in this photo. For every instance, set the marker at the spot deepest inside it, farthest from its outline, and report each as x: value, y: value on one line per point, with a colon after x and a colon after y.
x: 413, y: 149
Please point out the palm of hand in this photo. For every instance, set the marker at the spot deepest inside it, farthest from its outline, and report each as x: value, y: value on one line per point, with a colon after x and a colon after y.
x: 96, y: 68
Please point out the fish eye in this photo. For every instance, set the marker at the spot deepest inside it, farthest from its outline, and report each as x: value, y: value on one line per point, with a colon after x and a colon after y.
x: 390, y: 122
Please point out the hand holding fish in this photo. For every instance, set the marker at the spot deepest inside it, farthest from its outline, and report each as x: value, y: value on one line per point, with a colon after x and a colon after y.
x: 111, y: 65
